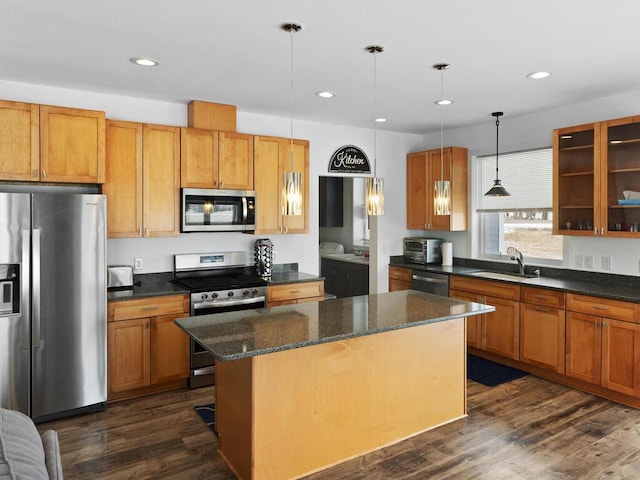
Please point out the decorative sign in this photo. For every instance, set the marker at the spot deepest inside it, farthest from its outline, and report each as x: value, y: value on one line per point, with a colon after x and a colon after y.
x: 349, y: 159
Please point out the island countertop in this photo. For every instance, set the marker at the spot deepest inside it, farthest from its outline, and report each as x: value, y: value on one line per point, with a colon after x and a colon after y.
x: 247, y: 333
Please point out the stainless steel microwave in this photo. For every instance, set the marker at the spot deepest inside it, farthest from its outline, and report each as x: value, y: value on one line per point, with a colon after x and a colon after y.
x: 212, y: 210
x: 422, y: 250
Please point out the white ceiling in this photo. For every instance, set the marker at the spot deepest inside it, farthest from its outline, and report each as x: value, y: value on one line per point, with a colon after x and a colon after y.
x: 234, y: 52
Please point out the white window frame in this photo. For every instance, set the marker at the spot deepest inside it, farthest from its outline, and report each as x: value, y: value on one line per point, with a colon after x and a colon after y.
x: 477, y: 250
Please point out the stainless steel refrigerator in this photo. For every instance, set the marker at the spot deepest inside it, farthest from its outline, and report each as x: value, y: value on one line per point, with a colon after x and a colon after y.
x: 53, y: 329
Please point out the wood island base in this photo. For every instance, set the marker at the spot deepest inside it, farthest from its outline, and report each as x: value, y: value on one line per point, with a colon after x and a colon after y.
x: 287, y: 414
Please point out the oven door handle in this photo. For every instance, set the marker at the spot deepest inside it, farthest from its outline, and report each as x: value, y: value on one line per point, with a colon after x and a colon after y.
x: 227, y: 303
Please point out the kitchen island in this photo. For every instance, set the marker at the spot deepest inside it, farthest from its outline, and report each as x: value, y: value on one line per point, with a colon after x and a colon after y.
x: 302, y: 387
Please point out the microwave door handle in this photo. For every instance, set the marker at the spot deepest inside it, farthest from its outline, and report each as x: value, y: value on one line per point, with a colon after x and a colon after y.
x: 245, y: 210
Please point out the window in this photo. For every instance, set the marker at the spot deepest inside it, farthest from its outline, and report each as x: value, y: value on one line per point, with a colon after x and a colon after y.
x: 524, y: 219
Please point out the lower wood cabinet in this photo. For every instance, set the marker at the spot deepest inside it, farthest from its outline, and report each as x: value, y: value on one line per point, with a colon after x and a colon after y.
x: 497, y: 332
x: 603, y: 343
x: 146, y: 350
x: 290, y: 293
x: 542, y: 328
x: 399, y: 278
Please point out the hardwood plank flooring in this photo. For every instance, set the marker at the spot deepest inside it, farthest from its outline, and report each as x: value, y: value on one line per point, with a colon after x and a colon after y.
x: 526, y: 429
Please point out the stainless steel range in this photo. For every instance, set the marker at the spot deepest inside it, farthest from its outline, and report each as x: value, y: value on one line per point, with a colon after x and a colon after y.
x: 219, y: 282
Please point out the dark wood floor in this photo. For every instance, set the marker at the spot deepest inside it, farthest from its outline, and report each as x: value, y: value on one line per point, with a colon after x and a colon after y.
x: 525, y: 429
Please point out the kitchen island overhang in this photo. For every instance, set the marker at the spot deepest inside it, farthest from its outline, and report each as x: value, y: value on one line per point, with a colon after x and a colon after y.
x: 302, y: 387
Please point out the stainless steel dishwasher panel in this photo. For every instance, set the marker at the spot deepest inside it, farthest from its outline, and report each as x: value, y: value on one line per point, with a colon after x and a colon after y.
x: 430, y: 282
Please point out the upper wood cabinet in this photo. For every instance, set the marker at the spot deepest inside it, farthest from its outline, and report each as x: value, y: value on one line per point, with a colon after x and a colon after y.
x: 142, y: 180
x: 423, y: 169
x: 594, y: 165
x: 19, y: 141
x: 212, y: 159
x: 72, y: 145
x: 51, y: 144
x: 272, y: 157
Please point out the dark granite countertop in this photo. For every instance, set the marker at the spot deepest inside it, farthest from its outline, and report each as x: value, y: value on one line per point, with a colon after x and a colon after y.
x: 247, y: 333
x: 615, y: 287
x: 160, y: 284
x: 292, y: 277
x: 147, y: 285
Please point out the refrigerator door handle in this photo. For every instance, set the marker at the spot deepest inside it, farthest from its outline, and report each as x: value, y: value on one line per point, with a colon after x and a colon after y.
x: 35, y: 278
x: 24, y: 288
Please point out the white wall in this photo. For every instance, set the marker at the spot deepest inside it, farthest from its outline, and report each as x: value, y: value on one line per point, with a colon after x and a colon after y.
x: 157, y: 253
x: 534, y: 130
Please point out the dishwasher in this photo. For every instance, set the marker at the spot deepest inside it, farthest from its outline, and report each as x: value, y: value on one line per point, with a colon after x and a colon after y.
x: 430, y: 282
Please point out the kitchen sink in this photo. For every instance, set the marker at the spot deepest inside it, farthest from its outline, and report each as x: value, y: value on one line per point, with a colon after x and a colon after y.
x: 514, y: 277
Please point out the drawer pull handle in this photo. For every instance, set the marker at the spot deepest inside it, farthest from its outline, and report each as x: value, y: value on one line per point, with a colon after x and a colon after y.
x: 540, y: 309
x: 539, y: 297
x: 150, y: 307
x: 598, y: 307
x: 295, y: 291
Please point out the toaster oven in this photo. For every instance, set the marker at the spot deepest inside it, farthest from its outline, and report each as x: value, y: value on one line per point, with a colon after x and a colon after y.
x: 422, y: 250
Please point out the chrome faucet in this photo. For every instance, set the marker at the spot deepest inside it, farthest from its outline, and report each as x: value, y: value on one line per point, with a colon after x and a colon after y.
x: 518, y: 257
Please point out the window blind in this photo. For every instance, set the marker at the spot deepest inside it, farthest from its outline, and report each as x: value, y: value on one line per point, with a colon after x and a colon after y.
x: 526, y: 175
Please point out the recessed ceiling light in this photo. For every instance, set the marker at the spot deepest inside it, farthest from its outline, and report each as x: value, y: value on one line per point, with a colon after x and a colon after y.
x: 538, y: 75
x: 325, y: 94
x: 380, y: 120
x: 144, y: 62
x: 444, y: 101
x: 615, y: 141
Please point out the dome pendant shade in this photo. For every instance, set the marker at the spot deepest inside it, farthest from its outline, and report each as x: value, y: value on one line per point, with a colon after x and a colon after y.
x: 375, y: 196
x: 497, y: 190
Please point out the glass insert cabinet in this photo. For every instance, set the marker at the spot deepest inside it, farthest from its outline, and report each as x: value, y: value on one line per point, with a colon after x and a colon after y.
x: 596, y: 170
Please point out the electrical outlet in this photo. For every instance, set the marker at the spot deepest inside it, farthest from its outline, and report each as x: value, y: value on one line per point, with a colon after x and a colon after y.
x: 579, y: 261
x: 588, y: 261
x: 137, y: 263
x: 606, y: 263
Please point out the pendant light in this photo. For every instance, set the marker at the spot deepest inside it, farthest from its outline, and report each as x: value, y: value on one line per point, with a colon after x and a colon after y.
x: 375, y: 185
x: 497, y: 190
x: 442, y: 187
x: 292, y: 186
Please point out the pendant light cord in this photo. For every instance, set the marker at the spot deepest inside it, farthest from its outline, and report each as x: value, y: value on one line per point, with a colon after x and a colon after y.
x: 441, y: 126
x: 375, y: 111
x: 497, y: 144
x: 291, y: 32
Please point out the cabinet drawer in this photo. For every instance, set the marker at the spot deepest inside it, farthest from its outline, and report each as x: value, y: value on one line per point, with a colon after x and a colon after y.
x: 604, y: 307
x: 147, y: 307
x: 400, y: 273
x: 485, y: 287
x: 543, y: 297
x: 294, y: 291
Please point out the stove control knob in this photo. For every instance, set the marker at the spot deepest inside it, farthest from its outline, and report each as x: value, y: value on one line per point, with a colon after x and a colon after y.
x: 204, y: 296
x: 230, y: 294
x: 245, y: 293
x: 255, y: 292
x: 214, y: 295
